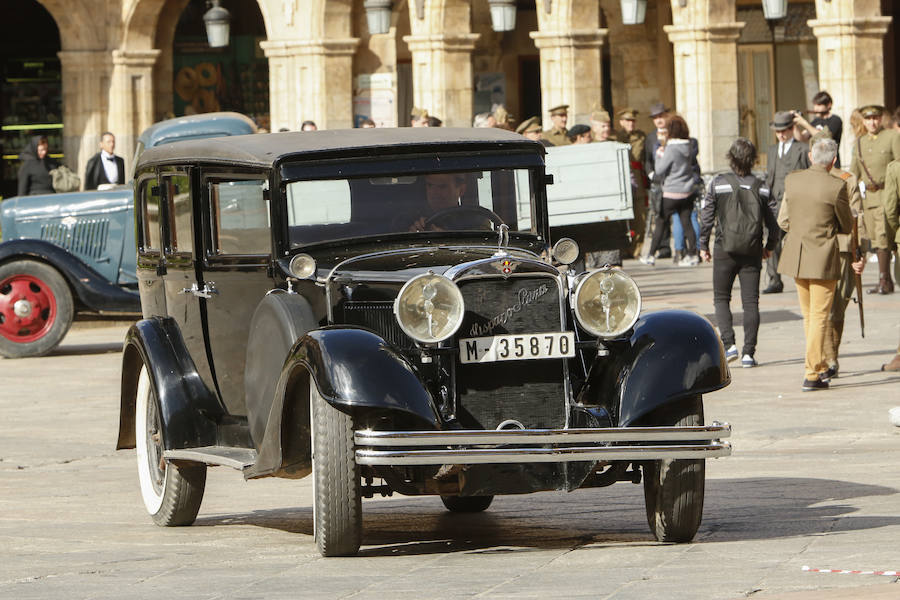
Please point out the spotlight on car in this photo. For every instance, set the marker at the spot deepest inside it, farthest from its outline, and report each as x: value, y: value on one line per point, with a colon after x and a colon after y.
x: 607, y: 302
x: 303, y: 266
x: 429, y: 308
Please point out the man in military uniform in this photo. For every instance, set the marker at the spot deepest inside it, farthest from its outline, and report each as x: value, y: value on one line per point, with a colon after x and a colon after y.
x: 871, y: 155
x: 629, y: 134
x: 418, y: 117
x: 891, y: 200
x: 601, y: 129
x: 557, y: 135
x: 531, y: 129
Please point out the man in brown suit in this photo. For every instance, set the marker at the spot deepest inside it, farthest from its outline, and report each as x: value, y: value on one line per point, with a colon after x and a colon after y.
x: 814, y: 210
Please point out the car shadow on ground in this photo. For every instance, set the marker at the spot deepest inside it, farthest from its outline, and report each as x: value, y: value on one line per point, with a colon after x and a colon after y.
x: 736, y: 510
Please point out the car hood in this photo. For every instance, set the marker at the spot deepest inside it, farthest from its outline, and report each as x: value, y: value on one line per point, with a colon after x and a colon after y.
x: 53, y: 207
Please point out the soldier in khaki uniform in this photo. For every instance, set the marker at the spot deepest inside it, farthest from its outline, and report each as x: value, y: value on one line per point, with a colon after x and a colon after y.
x: 629, y: 134
x: 601, y: 128
x: 892, y: 217
x: 531, y: 129
x: 871, y: 155
x: 558, y: 134
x: 814, y: 210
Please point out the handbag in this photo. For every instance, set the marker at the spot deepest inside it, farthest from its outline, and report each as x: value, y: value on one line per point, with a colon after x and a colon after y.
x: 64, y: 180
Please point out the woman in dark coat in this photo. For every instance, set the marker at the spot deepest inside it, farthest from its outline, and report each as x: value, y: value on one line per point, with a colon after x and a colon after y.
x: 34, y: 174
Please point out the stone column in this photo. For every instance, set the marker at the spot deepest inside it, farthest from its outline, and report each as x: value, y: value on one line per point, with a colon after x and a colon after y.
x: 706, y: 86
x: 851, y: 58
x: 131, y: 99
x: 85, y: 84
x: 442, y: 75
x: 570, y: 71
x: 311, y: 80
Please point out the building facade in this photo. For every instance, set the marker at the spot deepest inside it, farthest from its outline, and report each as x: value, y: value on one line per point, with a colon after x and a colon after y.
x: 717, y: 62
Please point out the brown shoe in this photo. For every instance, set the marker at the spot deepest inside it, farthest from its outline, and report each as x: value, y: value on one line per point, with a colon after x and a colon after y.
x: 894, y: 365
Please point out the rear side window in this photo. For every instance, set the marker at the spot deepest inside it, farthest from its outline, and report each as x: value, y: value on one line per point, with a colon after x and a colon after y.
x: 150, y: 215
x: 240, y: 217
x: 178, y: 204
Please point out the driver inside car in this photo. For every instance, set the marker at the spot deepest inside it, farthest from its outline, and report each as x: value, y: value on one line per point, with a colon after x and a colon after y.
x: 444, y: 210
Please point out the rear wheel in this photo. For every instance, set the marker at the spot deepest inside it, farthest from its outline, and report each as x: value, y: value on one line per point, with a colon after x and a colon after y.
x: 337, y: 501
x: 172, y: 494
x: 467, y: 504
x: 674, y: 489
x: 36, y: 308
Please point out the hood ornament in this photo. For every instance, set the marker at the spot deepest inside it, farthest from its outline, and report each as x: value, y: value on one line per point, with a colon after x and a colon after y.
x: 503, y: 241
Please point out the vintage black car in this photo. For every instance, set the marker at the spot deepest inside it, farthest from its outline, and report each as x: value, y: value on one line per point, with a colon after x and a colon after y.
x: 382, y: 309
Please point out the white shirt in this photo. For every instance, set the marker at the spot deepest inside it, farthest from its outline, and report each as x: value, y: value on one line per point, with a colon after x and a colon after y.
x: 783, y: 147
x: 110, y: 166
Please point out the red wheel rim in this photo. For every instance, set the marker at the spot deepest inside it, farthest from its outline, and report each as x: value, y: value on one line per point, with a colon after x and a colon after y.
x: 27, y: 308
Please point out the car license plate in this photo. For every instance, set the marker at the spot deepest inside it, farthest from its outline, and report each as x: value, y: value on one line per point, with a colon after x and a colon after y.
x: 523, y: 346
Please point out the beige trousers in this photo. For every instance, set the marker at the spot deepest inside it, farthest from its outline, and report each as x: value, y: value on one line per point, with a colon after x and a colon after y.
x: 815, y: 297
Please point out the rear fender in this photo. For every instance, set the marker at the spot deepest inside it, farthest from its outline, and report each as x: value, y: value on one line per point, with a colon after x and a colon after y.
x: 671, y: 355
x: 188, y: 409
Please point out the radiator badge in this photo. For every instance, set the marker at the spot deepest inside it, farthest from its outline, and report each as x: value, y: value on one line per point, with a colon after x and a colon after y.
x: 525, y: 297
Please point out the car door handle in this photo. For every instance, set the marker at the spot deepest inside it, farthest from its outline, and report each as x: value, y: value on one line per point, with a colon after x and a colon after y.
x: 208, y: 291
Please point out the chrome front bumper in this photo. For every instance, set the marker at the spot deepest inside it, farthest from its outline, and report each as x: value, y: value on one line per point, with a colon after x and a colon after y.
x: 472, y: 447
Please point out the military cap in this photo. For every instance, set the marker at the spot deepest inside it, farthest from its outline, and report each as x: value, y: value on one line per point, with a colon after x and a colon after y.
x: 578, y: 130
x: 629, y: 114
x: 529, y: 125
x: 872, y: 110
x: 418, y: 113
x: 562, y: 109
x: 657, y: 109
x: 600, y: 115
x: 784, y: 119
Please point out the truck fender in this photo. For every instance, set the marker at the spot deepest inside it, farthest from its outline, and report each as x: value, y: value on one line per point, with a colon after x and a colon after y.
x: 670, y: 355
x: 188, y: 409
x: 91, y: 288
x: 354, y: 370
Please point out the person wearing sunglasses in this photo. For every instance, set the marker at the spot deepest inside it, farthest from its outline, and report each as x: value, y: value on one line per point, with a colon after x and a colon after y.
x: 824, y: 118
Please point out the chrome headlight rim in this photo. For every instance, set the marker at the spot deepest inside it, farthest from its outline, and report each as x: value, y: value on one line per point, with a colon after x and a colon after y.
x: 585, y: 323
x: 302, y: 266
x: 457, y: 296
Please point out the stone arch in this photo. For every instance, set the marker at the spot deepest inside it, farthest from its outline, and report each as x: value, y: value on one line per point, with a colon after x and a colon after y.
x: 77, y: 31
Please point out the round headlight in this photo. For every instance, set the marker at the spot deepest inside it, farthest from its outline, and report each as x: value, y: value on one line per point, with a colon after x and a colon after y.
x: 607, y: 303
x: 429, y: 308
x: 303, y: 266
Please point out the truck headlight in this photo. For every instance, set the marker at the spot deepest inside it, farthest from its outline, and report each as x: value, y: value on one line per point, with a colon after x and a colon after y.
x: 429, y: 308
x: 607, y: 302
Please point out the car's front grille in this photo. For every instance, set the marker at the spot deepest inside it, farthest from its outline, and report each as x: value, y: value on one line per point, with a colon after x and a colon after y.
x: 379, y: 317
x: 531, y: 392
x: 86, y: 238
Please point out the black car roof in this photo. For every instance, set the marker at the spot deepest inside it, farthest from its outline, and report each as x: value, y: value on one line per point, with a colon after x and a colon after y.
x: 265, y: 149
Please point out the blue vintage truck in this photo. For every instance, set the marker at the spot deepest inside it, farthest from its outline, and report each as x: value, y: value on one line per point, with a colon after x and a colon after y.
x: 65, y: 254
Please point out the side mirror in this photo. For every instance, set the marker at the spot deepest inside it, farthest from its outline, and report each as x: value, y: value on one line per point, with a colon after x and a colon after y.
x: 565, y: 251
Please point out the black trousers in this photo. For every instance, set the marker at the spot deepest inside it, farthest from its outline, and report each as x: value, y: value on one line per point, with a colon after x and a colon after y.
x: 747, y: 269
x: 670, y: 206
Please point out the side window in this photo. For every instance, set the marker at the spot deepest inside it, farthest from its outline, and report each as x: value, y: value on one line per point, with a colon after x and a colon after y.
x: 240, y: 217
x: 177, y: 190
x: 150, y: 216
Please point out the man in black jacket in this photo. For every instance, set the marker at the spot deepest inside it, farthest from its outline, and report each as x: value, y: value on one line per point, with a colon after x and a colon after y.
x: 105, y: 166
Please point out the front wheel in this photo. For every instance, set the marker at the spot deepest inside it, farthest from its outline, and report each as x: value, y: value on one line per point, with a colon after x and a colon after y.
x: 337, y: 501
x: 674, y: 489
x: 36, y: 308
x: 172, y: 494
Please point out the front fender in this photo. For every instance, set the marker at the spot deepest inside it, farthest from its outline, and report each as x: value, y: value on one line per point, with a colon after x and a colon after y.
x: 188, y: 409
x: 671, y: 355
x: 91, y: 288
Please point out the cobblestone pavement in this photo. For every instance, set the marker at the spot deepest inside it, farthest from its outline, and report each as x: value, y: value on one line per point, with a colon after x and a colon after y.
x: 813, y: 482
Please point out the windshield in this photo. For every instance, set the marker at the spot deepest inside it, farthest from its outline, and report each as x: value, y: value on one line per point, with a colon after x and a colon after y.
x: 332, y: 209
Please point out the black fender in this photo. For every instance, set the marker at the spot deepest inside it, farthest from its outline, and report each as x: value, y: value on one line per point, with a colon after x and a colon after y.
x: 670, y: 355
x: 92, y: 289
x: 355, y: 370
x: 189, y: 410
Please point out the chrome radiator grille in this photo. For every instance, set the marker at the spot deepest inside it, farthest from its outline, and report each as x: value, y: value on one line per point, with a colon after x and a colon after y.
x: 379, y: 317
x: 85, y: 238
x: 530, y: 391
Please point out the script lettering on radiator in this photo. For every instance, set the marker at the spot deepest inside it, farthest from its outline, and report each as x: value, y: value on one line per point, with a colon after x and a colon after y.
x: 525, y: 297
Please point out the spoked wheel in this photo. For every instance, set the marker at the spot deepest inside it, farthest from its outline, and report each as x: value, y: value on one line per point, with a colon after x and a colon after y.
x: 467, y: 504
x: 337, y: 501
x: 35, y: 308
x: 172, y: 494
x: 674, y: 489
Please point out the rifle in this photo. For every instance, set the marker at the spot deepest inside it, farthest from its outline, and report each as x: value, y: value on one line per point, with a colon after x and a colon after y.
x: 856, y: 255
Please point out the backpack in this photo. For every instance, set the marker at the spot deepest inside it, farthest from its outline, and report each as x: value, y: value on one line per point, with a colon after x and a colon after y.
x: 741, y: 219
x: 64, y: 180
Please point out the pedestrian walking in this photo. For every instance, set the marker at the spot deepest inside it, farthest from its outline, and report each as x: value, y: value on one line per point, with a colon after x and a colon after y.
x: 675, y: 171
x: 557, y: 135
x: 739, y: 205
x: 34, y: 174
x: 652, y: 144
x: 785, y: 156
x: 871, y: 155
x: 104, y: 167
x: 814, y: 209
